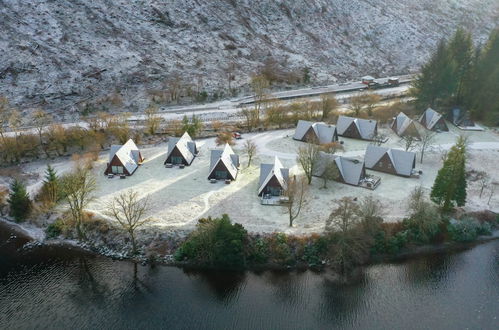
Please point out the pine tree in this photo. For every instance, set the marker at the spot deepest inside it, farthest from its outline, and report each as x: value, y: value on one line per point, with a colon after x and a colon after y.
x: 51, y: 185
x: 449, y: 188
x: 460, y: 50
x: 19, y: 202
x: 434, y: 85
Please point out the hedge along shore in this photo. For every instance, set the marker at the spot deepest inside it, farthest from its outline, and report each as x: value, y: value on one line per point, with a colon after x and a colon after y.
x: 35, y: 237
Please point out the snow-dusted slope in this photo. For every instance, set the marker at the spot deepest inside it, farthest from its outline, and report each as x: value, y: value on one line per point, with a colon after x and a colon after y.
x: 55, y: 50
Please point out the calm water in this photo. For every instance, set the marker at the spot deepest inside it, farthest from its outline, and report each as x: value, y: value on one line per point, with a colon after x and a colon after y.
x: 59, y: 288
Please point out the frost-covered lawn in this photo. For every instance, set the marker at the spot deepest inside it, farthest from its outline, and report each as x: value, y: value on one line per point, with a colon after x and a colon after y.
x: 180, y: 197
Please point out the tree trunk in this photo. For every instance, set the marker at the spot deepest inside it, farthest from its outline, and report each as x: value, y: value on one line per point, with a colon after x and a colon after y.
x: 134, y: 244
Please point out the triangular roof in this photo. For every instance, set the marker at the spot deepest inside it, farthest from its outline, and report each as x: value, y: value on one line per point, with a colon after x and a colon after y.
x: 227, y: 157
x: 268, y: 171
x: 128, y: 154
x: 402, y: 161
x: 325, y: 133
x: 430, y: 118
x: 366, y: 127
x: 185, y: 146
x: 401, y: 123
x: 351, y: 170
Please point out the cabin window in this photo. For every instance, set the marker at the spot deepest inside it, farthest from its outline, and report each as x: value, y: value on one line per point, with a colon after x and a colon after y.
x: 380, y: 164
x: 177, y: 160
x: 117, y: 169
x: 221, y: 175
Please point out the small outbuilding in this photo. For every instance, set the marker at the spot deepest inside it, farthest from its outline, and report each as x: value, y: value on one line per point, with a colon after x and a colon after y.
x: 403, y: 125
x: 320, y: 133
x: 393, y: 161
x: 273, y: 179
x: 433, y: 121
x: 350, y: 171
x: 224, y: 164
x: 357, y: 128
x: 181, y: 151
x: 124, y: 159
x: 367, y: 79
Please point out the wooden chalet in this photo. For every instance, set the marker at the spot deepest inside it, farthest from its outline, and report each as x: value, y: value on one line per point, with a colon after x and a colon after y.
x: 433, y: 121
x: 224, y: 164
x: 124, y: 159
x: 320, y: 133
x: 403, y: 125
x: 350, y: 171
x: 357, y: 128
x: 392, y: 161
x: 273, y: 179
x: 181, y: 151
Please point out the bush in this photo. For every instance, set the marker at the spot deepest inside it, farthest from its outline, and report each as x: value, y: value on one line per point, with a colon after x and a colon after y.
x: 258, y: 251
x: 215, y: 243
x: 467, y: 229
x: 54, y: 229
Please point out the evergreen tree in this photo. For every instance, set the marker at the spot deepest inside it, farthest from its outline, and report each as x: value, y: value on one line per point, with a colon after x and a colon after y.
x: 449, y: 188
x: 51, y: 185
x: 460, y: 50
x: 485, y: 97
x: 434, y: 84
x: 19, y: 202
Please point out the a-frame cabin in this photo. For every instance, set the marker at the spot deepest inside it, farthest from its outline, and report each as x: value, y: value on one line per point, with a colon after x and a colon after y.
x: 181, y: 151
x: 124, y: 159
x: 224, y: 164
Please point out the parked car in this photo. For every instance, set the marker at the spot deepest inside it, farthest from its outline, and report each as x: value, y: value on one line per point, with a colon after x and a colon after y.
x: 237, y: 135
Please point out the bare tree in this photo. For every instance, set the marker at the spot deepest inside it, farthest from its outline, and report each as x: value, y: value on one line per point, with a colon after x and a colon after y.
x: 350, y: 245
x: 78, y: 187
x: 153, y: 120
x: 297, y: 193
x: 4, y: 115
x: 357, y: 104
x: 408, y: 142
x: 371, y: 212
x: 250, y: 149
x: 483, y: 179
x: 370, y: 101
x: 251, y: 116
x: 330, y: 173
x: 259, y: 85
x: 129, y: 210
x: 41, y: 119
x: 308, y: 156
x: 328, y: 104
x: 378, y: 139
x: 426, y: 141
x: 224, y: 138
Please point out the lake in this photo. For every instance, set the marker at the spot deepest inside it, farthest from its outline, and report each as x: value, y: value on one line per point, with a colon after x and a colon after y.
x: 60, y: 288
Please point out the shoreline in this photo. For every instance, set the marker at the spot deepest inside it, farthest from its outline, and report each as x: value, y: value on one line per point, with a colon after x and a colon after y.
x: 168, y: 260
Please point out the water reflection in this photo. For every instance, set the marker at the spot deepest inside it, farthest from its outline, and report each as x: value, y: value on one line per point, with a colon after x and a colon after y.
x: 225, y: 286
x: 52, y: 287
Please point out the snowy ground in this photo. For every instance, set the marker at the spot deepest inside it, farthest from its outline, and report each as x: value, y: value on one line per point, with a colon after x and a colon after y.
x: 179, y: 197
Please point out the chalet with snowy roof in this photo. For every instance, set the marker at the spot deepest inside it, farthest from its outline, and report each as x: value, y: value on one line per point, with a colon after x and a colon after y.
x: 224, y: 164
x: 367, y: 79
x: 462, y: 120
x: 273, y: 179
x: 403, y: 125
x: 357, y: 128
x: 393, y: 161
x: 181, y: 151
x: 433, y: 121
x: 350, y: 171
x: 320, y: 133
x: 124, y: 159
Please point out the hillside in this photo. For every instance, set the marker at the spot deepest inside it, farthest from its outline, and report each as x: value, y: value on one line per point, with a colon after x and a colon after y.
x: 62, y: 55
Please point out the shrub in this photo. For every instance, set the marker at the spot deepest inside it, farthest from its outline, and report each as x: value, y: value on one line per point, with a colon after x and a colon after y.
x: 215, y: 243
x: 258, y: 251
x: 19, y: 202
x: 54, y: 229
x: 467, y: 229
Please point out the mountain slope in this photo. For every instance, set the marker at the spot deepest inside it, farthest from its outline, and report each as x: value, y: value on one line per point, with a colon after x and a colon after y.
x: 57, y: 53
